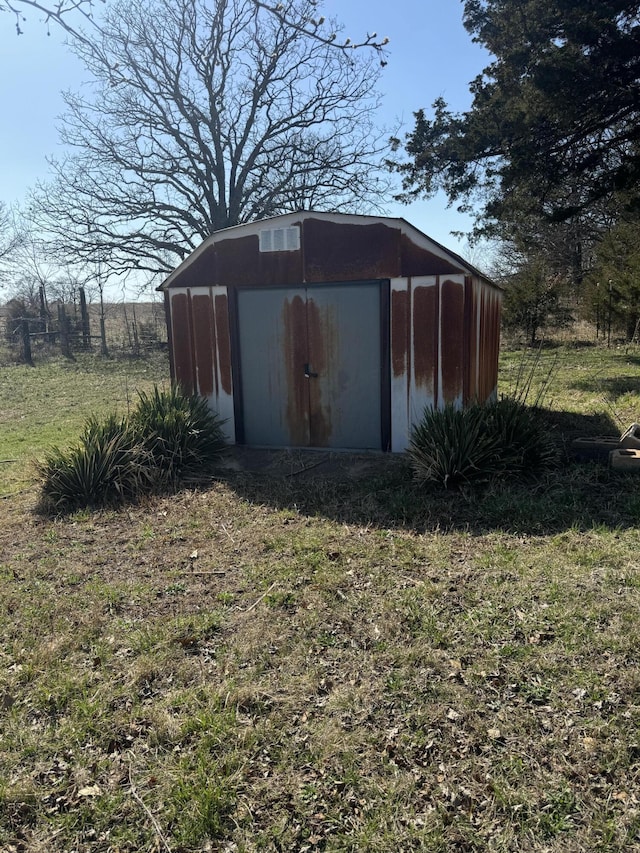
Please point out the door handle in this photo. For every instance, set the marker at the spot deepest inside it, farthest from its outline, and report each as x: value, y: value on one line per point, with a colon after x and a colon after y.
x: 308, y: 374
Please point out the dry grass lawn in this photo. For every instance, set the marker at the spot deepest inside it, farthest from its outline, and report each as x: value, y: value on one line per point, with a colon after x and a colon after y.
x: 329, y: 659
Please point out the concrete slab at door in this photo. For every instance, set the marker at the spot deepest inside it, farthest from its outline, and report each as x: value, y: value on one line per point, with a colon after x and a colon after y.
x: 344, y: 331
x: 273, y: 352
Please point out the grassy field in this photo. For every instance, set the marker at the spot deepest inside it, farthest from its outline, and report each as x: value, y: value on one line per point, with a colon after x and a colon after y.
x: 48, y: 404
x: 322, y: 660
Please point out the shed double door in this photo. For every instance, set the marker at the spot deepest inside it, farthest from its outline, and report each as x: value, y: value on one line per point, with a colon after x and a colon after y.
x: 310, y: 362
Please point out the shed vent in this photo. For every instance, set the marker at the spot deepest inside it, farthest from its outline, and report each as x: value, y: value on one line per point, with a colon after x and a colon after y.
x: 280, y: 239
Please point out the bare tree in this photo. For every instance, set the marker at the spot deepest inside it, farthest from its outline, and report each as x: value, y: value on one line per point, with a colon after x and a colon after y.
x: 34, y: 277
x: 29, y: 268
x: 203, y: 116
x: 65, y: 13
x: 9, y: 233
x: 11, y: 239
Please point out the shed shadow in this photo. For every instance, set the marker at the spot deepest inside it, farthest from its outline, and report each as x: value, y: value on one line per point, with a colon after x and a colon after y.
x: 613, y: 386
x: 379, y: 490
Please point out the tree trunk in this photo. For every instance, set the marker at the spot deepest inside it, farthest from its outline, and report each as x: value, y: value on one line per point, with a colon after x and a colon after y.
x: 44, y: 311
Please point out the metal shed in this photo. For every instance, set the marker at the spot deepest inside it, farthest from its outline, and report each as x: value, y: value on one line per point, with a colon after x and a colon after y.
x: 330, y: 330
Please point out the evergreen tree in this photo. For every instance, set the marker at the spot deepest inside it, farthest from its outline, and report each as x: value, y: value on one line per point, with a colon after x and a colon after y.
x: 555, y: 117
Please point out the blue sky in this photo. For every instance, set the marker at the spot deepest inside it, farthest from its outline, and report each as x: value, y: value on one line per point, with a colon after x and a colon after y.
x: 430, y: 54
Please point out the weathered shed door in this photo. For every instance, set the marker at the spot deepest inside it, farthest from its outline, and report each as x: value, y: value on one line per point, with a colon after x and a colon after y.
x: 310, y: 361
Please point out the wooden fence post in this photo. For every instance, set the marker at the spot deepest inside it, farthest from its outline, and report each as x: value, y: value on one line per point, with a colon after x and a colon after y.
x: 136, y: 339
x: 84, y: 320
x: 63, y: 322
x: 26, y: 343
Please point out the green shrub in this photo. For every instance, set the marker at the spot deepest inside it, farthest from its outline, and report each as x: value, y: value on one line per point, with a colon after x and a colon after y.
x: 506, y: 438
x: 179, y: 430
x: 170, y: 434
x: 110, y: 465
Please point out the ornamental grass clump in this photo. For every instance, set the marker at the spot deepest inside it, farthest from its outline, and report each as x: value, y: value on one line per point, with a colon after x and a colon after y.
x: 108, y: 466
x: 505, y: 438
x: 179, y: 431
x: 527, y: 446
x: 450, y: 446
x: 169, y: 435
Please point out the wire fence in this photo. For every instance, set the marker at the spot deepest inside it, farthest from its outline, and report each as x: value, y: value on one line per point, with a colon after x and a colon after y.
x: 28, y: 333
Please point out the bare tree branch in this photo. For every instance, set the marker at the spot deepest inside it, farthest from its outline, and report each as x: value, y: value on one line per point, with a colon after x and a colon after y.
x: 71, y: 15
x: 315, y: 23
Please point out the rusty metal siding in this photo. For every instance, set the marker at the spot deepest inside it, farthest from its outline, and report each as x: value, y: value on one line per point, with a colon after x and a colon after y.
x: 338, y: 252
x: 425, y: 298
x: 201, y: 348
x: 201, y: 272
x: 418, y: 261
x: 204, y: 343
x: 444, y: 340
x: 221, y: 400
x: 444, y: 346
x: 167, y: 319
x: 330, y: 251
x: 483, y: 339
x: 237, y: 260
x: 223, y: 339
x: 400, y: 330
x: 496, y: 297
x: 452, y: 340
x: 240, y: 263
x: 487, y: 321
x: 471, y: 341
x: 182, y: 340
x: 423, y: 380
x: 414, y: 328
x: 436, y: 328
